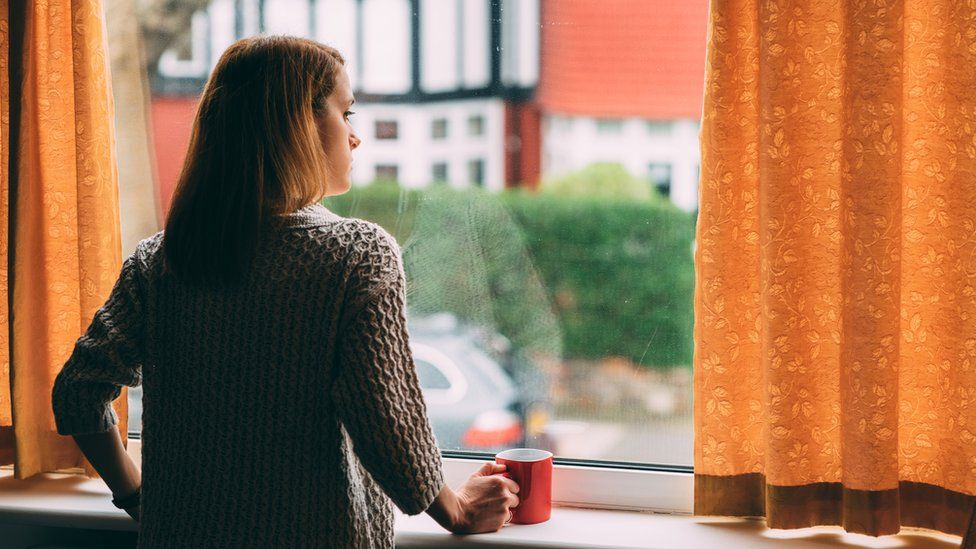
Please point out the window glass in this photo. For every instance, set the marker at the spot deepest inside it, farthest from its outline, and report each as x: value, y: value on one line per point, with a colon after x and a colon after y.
x: 660, y: 175
x: 386, y: 129
x: 476, y: 125
x: 389, y: 173
x: 476, y: 172
x: 609, y: 126
x: 438, y: 128
x: 659, y: 127
x: 438, y: 172
x: 557, y: 276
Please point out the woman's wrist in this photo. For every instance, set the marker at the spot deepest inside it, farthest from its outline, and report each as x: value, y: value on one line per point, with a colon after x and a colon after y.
x: 128, y: 501
x: 447, y: 510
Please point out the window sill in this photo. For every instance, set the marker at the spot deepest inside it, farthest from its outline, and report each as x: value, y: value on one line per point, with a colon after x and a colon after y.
x: 72, y: 501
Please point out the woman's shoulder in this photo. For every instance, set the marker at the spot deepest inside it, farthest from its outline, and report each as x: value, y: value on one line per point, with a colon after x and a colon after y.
x: 340, y: 234
x: 367, y: 237
x: 148, y: 251
x: 372, y: 254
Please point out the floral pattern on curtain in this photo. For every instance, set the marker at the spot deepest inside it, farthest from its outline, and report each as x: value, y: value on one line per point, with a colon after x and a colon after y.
x: 60, y: 250
x: 836, y: 265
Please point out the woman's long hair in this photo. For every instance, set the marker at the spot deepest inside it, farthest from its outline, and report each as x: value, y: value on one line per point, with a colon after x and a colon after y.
x: 254, y: 153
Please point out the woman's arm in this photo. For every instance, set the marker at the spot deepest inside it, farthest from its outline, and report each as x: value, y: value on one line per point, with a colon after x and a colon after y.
x: 107, y: 357
x: 376, y: 392
x: 108, y: 456
x: 446, y: 509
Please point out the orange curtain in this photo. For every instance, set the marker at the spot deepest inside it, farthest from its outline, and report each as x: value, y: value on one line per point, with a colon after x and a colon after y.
x: 836, y: 265
x: 60, y: 248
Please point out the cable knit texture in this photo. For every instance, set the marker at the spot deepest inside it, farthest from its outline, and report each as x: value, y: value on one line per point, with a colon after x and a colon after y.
x: 284, y: 412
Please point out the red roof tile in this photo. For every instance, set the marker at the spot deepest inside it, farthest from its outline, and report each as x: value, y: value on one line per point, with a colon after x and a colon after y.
x: 616, y: 58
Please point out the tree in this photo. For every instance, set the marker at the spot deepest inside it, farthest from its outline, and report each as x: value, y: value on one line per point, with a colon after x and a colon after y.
x: 163, y: 23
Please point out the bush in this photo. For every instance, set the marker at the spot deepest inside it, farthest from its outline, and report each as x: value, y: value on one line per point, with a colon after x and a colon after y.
x: 576, y: 277
x: 603, y: 180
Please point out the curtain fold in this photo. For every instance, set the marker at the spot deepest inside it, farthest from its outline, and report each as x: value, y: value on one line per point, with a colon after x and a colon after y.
x: 836, y: 265
x: 59, y: 233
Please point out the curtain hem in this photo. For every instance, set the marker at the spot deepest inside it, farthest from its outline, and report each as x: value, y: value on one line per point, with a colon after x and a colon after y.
x: 871, y: 512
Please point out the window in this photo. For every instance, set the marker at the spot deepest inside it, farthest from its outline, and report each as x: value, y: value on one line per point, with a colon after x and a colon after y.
x: 386, y: 129
x: 609, y: 126
x: 476, y: 125
x: 660, y: 176
x: 476, y: 172
x: 438, y: 172
x: 526, y: 300
x: 389, y: 173
x: 659, y: 127
x: 438, y: 128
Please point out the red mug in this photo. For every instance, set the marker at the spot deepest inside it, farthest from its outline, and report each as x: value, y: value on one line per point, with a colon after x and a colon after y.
x: 532, y: 470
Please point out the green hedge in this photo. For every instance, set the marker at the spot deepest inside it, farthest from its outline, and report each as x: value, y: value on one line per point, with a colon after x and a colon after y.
x: 576, y: 277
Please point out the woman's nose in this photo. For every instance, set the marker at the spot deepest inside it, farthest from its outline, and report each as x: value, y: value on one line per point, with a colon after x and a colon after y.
x: 354, y: 142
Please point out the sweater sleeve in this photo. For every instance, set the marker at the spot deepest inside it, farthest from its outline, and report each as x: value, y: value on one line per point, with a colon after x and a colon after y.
x: 106, y: 357
x: 377, y: 392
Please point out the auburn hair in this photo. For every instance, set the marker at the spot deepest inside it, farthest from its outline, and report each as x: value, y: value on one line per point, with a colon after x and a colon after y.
x: 254, y: 154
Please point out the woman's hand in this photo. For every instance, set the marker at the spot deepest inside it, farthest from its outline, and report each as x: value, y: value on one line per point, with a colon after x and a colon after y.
x: 485, y: 500
x: 134, y: 512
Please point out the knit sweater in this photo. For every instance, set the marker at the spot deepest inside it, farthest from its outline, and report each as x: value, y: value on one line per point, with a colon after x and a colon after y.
x: 282, y: 412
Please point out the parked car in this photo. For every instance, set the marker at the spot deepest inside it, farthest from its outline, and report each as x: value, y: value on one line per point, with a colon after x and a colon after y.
x: 469, y: 381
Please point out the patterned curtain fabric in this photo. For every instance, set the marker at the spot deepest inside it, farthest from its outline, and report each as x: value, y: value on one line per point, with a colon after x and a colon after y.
x: 60, y: 250
x: 836, y: 287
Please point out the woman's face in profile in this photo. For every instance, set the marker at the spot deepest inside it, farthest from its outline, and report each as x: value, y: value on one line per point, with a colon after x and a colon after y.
x: 337, y: 135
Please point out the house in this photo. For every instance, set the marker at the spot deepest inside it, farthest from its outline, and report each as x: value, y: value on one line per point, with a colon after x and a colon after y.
x: 441, y: 85
x: 490, y: 93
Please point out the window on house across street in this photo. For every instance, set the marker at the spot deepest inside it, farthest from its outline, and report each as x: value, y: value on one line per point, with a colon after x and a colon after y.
x: 660, y: 176
x: 659, y: 127
x: 438, y: 172
x: 387, y: 172
x: 476, y: 172
x: 609, y: 126
x: 476, y: 125
x: 387, y: 129
x: 438, y: 128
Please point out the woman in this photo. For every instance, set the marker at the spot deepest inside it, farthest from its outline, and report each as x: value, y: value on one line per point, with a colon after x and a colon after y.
x: 281, y: 405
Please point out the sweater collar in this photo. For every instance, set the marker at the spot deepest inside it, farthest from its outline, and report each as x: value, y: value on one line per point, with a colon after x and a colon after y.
x: 313, y: 215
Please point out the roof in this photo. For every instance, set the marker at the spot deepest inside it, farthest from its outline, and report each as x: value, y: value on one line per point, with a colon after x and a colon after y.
x: 618, y: 58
